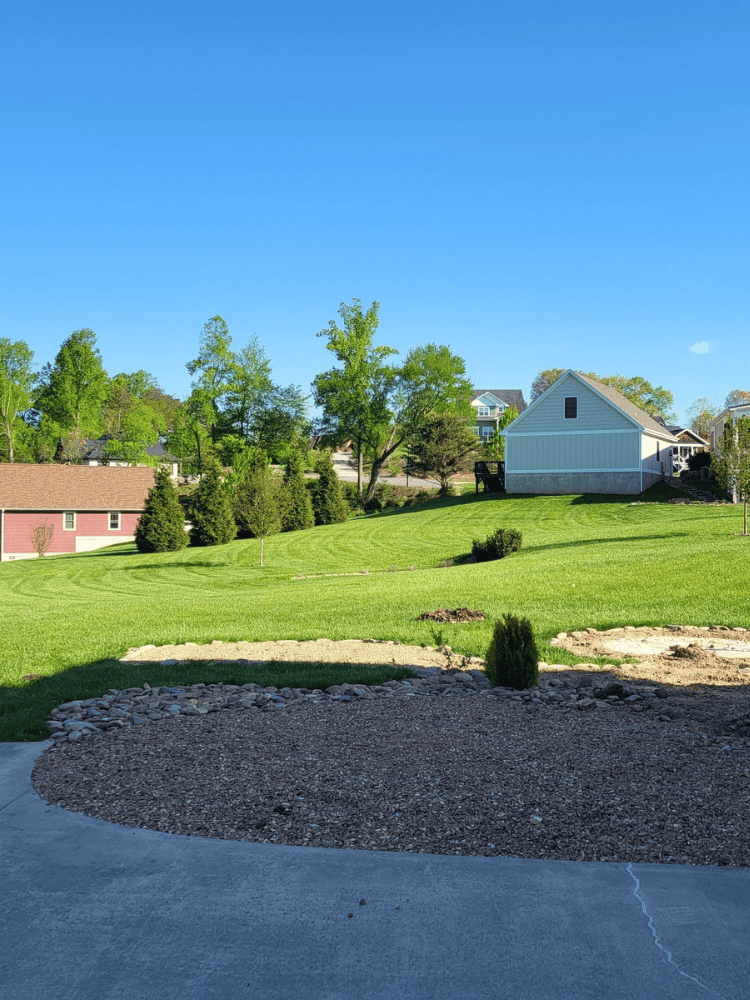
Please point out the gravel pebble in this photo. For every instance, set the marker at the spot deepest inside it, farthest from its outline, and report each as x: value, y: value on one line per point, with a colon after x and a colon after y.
x: 580, y: 767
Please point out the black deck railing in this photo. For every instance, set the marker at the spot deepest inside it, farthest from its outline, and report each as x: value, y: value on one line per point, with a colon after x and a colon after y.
x: 491, y: 475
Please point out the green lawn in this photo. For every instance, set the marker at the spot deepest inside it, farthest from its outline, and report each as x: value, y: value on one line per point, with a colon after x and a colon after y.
x: 585, y: 561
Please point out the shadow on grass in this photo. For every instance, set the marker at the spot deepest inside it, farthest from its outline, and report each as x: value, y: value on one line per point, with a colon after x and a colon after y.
x: 24, y: 709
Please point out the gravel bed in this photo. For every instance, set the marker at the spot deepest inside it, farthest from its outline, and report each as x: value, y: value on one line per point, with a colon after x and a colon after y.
x: 460, y: 770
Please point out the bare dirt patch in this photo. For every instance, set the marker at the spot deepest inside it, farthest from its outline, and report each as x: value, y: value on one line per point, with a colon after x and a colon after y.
x: 359, y: 651
x: 457, y: 615
x: 720, y: 655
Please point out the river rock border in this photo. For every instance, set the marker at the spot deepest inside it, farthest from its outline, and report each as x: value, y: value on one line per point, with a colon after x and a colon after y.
x: 94, y: 717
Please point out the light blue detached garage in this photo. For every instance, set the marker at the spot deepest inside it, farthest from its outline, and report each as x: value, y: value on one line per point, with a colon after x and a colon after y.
x: 581, y: 436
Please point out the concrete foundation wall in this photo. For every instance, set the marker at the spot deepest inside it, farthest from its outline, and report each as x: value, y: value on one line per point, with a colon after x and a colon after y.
x: 565, y: 483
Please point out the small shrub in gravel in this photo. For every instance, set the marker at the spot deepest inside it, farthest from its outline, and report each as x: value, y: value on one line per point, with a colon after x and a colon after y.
x: 512, y: 659
x: 497, y: 546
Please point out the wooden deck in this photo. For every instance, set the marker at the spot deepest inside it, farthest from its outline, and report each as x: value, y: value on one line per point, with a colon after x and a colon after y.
x: 491, y: 475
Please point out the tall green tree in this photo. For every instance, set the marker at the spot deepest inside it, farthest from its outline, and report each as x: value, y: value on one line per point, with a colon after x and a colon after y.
x: 731, y: 462
x: 280, y: 423
x: 16, y: 382
x: 72, y: 390
x: 354, y: 397
x: 161, y: 526
x: 214, y: 366
x: 190, y: 437
x: 443, y: 448
x: 249, y: 387
x: 700, y: 414
x: 380, y: 405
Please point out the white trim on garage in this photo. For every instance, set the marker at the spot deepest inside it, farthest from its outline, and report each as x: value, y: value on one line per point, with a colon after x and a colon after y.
x: 576, y: 470
x: 567, y: 433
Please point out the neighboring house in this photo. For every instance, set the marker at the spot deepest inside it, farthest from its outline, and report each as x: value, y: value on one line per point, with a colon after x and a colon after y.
x: 489, y: 405
x: 581, y: 436
x: 87, y: 507
x: 690, y: 444
x: 95, y: 454
x: 716, y: 427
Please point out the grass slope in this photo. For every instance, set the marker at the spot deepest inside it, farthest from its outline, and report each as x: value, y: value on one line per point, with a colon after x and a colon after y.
x: 585, y: 561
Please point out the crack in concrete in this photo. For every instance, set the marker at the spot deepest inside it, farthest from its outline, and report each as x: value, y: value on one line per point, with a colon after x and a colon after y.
x: 658, y: 943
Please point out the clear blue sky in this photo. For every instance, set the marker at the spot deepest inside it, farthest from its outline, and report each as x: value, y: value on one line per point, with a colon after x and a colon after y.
x: 537, y: 183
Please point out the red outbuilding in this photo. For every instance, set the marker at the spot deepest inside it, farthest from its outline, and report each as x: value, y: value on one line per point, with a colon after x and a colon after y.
x: 87, y: 507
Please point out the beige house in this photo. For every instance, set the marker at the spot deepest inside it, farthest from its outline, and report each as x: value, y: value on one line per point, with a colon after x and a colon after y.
x: 717, y: 425
x: 581, y: 436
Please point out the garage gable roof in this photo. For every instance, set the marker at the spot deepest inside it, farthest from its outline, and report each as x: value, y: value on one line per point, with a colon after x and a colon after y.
x: 73, y: 487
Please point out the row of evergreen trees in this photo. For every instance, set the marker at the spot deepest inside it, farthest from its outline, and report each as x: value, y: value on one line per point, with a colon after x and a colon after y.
x: 260, y: 504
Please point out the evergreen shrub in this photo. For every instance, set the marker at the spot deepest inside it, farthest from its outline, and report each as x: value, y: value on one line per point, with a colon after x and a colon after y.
x: 211, y: 511
x: 497, y: 546
x: 329, y: 505
x: 161, y: 526
x: 512, y: 659
x: 299, y: 510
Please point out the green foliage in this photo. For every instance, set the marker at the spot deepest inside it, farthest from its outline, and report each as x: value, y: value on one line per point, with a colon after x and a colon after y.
x: 299, y: 510
x: 16, y: 380
x: 700, y: 415
x: 352, y: 496
x: 161, y: 526
x: 731, y: 463
x: 698, y: 460
x: 326, y: 494
x: 443, y: 448
x: 497, y: 546
x: 211, y: 511
x: 379, y: 405
x: 280, y: 424
x: 493, y: 449
x: 72, y: 390
x: 512, y: 659
x: 260, y: 504
x: 383, y: 498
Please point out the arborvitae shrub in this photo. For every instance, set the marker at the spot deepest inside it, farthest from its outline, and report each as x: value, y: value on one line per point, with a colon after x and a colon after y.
x: 502, y: 543
x: 211, y: 512
x: 161, y: 526
x: 513, y: 658
x: 299, y: 511
x: 326, y: 494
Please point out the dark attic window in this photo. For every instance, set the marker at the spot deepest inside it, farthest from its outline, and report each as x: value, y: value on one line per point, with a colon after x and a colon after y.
x: 571, y: 407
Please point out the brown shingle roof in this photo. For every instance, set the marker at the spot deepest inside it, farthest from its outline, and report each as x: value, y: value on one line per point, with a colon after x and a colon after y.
x: 73, y: 487
x: 623, y: 403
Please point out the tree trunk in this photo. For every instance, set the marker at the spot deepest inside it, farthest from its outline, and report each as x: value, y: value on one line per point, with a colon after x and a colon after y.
x: 376, y: 467
x: 360, y: 466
